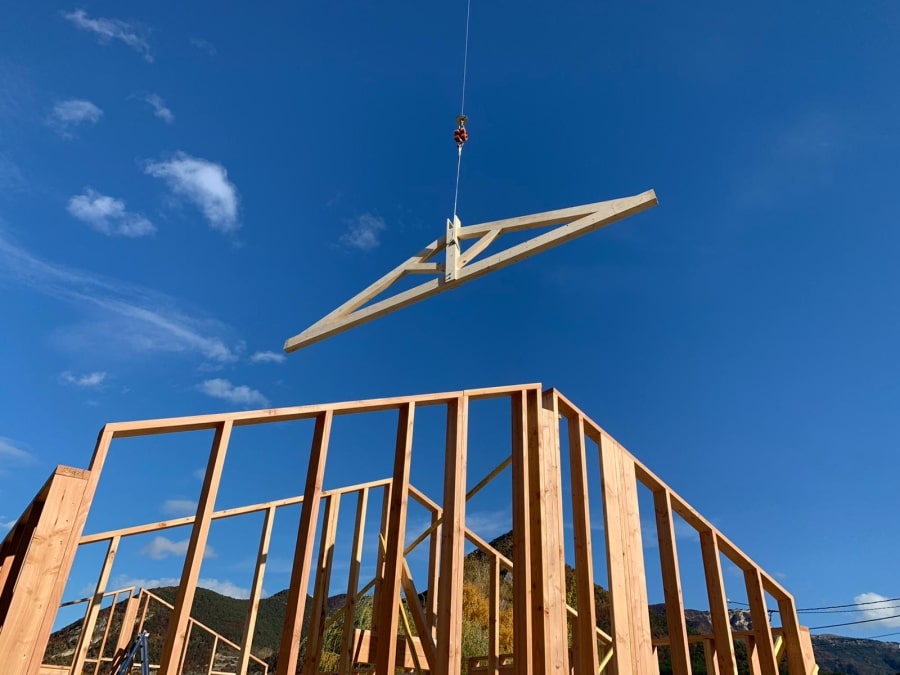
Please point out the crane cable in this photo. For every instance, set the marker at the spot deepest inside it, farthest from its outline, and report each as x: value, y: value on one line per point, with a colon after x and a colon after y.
x: 461, y: 135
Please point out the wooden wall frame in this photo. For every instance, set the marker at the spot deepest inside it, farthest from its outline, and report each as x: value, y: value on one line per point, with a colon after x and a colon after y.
x: 549, y: 636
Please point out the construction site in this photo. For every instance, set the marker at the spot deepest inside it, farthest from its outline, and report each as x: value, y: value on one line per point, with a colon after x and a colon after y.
x: 555, y: 629
x: 497, y: 529
x: 414, y: 621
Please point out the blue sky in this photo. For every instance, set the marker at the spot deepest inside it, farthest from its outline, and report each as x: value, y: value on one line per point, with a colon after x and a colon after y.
x: 182, y: 188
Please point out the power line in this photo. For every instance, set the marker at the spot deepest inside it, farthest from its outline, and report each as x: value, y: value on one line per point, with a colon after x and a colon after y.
x: 852, y: 604
x: 824, y: 610
x: 843, y: 611
x: 885, y: 635
x: 853, y: 623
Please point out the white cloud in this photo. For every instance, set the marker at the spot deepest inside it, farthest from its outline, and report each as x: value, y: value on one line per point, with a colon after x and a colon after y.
x: 878, y: 607
x: 205, y: 184
x: 240, y: 395
x: 268, y: 357
x: 363, y: 233
x: 204, y: 45
x: 134, y: 318
x: 223, y: 587
x: 12, y: 455
x: 87, y: 380
x: 159, y: 107
x: 10, y: 451
x: 71, y: 113
x: 179, y: 507
x: 112, y: 29
x: 108, y: 215
x: 162, y: 547
x: 6, y: 525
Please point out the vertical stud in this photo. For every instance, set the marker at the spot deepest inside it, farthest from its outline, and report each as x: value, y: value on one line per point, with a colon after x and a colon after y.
x: 387, y: 620
x: 312, y: 497
x: 718, y: 604
x: 453, y: 533
x: 176, y: 638
x: 668, y: 557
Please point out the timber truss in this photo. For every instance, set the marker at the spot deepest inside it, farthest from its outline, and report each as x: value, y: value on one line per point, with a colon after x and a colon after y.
x: 460, y: 266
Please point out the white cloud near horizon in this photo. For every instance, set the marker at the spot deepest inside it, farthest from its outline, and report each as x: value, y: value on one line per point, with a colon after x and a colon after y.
x: 87, y: 380
x: 163, y: 547
x: 237, y: 394
x: 203, y: 183
x: 268, y: 357
x: 107, y: 30
x: 71, y: 113
x: 879, y: 607
x: 179, y: 507
x: 108, y: 215
x: 220, y: 586
x: 364, y: 233
x: 130, y: 316
x: 160, y: 109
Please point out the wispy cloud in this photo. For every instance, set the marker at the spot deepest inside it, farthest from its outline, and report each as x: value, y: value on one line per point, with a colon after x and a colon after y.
x: 364, y: 233
x: 268, y: 357
x: 160, y: 109
x: 10, y: 451
x: 204, y: 45
x: 489, y: 524
x: 881, y: 607
x: 223, y: 587
x: 800, y: 157
x: 107, y: 30
x: 237, y: 394
x: 66, y: 115
x: 11, y: 177
x: 88, y: 380
x: 179, y: 507
x: 203, y: 183
x: 108, y: 215
x: 6, y: 525
x: 162, y: 547
x: 133, y: 317
x: 13, y: 455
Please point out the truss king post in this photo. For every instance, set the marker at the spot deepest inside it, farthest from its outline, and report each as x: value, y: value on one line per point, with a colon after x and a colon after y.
x: 453, y: 251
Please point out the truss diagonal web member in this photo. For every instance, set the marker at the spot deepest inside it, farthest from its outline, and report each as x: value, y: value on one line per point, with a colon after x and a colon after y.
x: 460, y: 266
